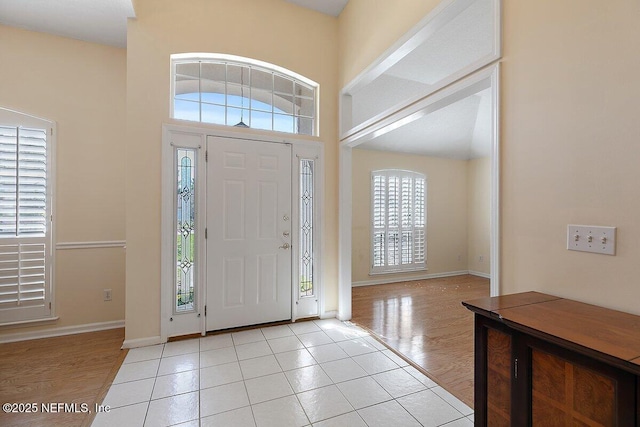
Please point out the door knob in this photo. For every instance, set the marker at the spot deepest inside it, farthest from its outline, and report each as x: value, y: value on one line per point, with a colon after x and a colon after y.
x: 285, y: 246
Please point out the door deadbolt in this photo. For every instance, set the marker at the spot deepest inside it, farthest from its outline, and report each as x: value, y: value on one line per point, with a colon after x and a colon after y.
x: 285, y: 233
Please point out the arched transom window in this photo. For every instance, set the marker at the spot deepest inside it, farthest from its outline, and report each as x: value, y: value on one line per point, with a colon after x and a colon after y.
x: 234, y: 91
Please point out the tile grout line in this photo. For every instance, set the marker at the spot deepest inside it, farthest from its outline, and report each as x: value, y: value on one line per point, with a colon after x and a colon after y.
x: 155, y: 379
x: 363, y: 340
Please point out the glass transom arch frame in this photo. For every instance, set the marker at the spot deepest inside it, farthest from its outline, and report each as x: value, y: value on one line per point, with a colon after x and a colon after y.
x: 234, y: 91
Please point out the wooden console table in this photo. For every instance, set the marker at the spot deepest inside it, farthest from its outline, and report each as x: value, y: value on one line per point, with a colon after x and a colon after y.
x: 541, y: 360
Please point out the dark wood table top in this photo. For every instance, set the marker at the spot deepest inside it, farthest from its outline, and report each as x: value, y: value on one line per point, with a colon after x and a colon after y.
x: 612, y: 333
x: 492, y: 304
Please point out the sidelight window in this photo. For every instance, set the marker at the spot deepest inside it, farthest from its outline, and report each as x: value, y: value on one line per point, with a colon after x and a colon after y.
x: 185, y: 229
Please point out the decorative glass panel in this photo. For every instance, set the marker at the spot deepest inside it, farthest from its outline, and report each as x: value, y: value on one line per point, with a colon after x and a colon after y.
x: 306, y: 227
x: 185, y: 228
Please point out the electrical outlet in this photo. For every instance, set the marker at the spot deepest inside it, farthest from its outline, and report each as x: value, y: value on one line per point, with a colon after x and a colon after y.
x: 481, y: 258
x: 591, y: 238
x: 459, y: 257
x: 106, y: 294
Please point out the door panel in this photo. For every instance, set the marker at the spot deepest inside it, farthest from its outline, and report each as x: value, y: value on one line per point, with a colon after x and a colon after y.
x: 248, y: 223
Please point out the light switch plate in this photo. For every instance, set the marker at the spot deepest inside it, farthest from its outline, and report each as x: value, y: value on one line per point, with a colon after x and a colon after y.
x: 591, y: 238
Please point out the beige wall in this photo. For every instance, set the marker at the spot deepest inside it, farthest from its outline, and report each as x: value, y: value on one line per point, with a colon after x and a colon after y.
x: 570, y: 102
x: 446, y: 211
x: 570, y: 129
x: 268, y: 30
x: 81, y: 86
x: 479, y: 215
x: 369, y: 27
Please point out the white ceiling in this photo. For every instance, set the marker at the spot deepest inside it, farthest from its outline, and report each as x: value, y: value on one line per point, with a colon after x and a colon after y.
x: 460, y: 130
x: 328, y: 7
x: 452, y: 47
x: 97, y: 21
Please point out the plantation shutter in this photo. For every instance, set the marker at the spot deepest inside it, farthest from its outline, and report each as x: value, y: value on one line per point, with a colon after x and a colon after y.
x: 398, y: 229
x: 24, y: 233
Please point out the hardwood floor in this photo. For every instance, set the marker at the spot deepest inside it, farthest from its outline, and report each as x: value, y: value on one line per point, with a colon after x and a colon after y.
x: 425, y: 321
x: 69, y: 369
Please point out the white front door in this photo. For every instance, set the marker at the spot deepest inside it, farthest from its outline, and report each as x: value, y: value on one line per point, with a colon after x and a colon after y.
x: 249, y: 233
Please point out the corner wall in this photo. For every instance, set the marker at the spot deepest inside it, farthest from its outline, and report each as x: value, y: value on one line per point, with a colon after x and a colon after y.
x: 479, y: 215
x: 81, y: 86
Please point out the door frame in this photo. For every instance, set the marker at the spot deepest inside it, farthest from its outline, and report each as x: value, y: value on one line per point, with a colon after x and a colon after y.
x: 300, y: 148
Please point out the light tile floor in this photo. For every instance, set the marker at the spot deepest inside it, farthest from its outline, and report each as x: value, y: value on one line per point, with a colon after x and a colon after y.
x: 321, y: 373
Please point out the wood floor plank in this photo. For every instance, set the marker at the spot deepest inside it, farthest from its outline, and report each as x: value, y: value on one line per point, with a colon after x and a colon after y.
x: 69, y: 369
x: 425, y: 321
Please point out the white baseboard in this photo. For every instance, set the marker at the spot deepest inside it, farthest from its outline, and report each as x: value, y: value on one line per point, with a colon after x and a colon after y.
x: 480, y: 274
x: 396, y: 279
x: 142, y: 342
x: 329, y: 314
x: 58, y: 332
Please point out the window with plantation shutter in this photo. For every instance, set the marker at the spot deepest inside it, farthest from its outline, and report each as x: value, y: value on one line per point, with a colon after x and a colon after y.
x: 398, y: 224
x: 25, y: 218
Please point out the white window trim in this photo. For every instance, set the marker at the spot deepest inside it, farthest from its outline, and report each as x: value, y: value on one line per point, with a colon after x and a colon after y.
x: 16, y: 118
x: 249, y: 62
x: 400, y: 268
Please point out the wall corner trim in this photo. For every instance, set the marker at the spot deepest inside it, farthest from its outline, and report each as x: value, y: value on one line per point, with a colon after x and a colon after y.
x: 480, y: 274
x: 332, y: 314
x: 142, y: 342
